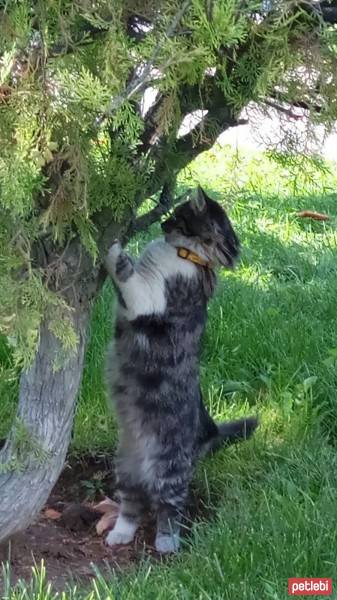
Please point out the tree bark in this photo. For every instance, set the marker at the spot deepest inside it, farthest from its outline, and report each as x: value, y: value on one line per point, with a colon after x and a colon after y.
x: 45, y: 413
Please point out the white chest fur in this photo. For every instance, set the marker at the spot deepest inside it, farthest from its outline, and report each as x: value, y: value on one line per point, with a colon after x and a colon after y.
x: 144, y: 291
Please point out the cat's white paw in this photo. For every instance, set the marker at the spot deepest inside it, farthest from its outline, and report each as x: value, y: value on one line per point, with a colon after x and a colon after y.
x: 123, y: 532
x: 118, y: 537
x: 115, y: 250
x: 113, y: 254
x: 166, y: 544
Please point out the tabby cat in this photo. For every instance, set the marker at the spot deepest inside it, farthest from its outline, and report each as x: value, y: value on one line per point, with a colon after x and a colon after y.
x: 153, y: 366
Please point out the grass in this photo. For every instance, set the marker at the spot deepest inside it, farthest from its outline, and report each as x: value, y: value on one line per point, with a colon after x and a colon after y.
x: 271, y: 348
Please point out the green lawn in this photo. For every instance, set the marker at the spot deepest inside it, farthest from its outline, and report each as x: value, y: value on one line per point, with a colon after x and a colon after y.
x: 271, y: 348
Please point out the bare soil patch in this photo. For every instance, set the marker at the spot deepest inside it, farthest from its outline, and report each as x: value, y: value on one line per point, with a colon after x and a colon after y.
x: 64, y: 536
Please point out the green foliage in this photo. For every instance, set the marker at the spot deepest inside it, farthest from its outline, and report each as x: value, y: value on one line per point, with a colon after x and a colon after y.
x: 17, y: 23
x: 83, y: 93
x: 22, y: 310
x: 26, y: 449
x: 23, y: 306
x: 60, y: 324
x: 113, y: 180
x: 226, y: 25
x: 116, y: 58
x: 16, y: 198
x: 129, y: 123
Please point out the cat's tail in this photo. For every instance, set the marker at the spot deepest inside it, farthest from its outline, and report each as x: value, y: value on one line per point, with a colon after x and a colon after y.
x: 230, y: 432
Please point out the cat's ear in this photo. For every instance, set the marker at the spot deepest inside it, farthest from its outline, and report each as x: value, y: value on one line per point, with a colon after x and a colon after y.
x: 198, y: 202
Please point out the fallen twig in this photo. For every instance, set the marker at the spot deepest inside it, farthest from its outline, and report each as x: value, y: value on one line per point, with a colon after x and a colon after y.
x: 313, y: 215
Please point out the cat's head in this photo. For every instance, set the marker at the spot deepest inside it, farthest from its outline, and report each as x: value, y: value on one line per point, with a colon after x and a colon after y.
x: 201, y: 225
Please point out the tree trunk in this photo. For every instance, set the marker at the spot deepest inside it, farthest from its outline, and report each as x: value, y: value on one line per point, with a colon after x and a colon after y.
x: 34, y: 454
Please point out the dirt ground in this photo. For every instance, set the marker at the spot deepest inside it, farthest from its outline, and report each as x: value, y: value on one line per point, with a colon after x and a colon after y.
x: 65, y: 537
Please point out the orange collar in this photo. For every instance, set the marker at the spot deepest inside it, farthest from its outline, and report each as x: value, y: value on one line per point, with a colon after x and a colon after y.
x: 194, y: 258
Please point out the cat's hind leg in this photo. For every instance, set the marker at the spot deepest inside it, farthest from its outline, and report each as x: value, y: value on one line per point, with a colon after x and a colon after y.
x: 170, y: 507
x: 168, y: 528
x: 132, y: 509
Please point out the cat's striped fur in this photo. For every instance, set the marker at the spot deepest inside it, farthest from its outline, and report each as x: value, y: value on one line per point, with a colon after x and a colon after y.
x: 154, y: 368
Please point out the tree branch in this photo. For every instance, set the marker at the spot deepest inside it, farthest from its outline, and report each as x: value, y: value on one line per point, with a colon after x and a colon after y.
x: 166, y: 201
x: 282, y: 109
x: 150, y: 125
x: 138, y: 82
x: 89, y: 35
x: 191, y: 98
x: 295, y: 103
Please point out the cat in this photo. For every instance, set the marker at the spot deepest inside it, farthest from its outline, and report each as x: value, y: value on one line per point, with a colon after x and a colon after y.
x: 153, y: 366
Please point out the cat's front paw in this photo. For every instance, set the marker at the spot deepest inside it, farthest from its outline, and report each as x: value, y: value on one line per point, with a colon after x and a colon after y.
x: 113, y: 255
x: 166, y: 544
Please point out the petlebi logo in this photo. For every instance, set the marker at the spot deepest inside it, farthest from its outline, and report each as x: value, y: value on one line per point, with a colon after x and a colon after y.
x: 310, y: 586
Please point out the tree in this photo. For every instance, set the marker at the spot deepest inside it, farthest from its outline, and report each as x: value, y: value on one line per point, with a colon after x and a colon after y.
x: 80, y: 153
